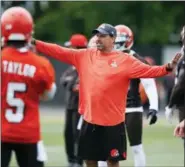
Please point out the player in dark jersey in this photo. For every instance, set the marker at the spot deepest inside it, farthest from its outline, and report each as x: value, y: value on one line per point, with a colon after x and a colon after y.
x: 177, y: 96
x: 134, y: 109
x: 70, y: 81
x: 27, y: 78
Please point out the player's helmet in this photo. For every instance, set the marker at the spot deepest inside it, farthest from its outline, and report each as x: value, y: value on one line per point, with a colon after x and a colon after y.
x: 78, y: 40
x: 124, y: 39
x: 92, y: 42
x: 16, y: 24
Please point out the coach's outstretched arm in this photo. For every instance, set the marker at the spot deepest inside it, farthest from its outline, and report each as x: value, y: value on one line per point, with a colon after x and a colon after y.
x: 66, y: 55
x: 139, y: 69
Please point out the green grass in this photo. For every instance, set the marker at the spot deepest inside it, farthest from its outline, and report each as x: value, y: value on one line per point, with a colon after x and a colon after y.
x: 161, y: 147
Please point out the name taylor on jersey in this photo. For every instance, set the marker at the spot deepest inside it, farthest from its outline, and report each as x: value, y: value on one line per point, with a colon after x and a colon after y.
x: 17, y: 68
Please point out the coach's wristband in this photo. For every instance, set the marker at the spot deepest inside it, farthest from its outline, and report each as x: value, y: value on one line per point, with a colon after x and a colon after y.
x: 169, y: 68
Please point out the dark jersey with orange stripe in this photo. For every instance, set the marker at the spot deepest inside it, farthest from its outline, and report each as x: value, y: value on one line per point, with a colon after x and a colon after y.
x: 133, y: 96
x: 25, y: 76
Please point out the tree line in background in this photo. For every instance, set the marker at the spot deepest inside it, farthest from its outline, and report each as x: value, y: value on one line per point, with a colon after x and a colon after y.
x: 151, y: 22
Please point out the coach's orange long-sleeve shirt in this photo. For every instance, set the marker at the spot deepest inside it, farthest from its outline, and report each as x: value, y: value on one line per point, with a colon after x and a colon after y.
x: 104, y: 80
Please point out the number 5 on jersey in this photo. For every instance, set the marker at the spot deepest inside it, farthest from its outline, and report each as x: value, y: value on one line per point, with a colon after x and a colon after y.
x: 18, y: 115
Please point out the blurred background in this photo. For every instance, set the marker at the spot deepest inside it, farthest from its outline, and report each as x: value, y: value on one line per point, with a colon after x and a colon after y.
x: 156, y: 26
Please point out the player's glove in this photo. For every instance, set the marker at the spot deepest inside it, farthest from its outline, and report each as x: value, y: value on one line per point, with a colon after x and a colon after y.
x: 152, y: 115
x: 168, y: 114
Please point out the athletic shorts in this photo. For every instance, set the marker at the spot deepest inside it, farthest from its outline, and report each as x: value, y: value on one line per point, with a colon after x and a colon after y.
x: 102, y: 142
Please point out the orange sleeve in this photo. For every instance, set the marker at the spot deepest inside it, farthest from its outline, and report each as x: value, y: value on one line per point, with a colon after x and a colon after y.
x: 69, y: 56
x: 139, y: 69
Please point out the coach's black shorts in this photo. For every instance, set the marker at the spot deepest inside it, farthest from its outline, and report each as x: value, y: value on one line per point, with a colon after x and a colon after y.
x: 102, y: 142
x: 134, y: 127
x: 26, y: 154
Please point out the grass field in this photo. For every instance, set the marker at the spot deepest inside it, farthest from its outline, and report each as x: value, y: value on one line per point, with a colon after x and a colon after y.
x: 161, y: 147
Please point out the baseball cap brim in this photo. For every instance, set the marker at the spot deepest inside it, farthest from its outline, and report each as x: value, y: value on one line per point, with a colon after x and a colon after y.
x: 100, y: 30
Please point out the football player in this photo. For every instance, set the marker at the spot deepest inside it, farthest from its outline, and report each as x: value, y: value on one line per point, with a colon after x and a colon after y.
x: 27, y: 79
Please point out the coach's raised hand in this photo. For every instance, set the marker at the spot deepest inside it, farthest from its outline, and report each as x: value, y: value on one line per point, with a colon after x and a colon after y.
x: 172, y: 65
